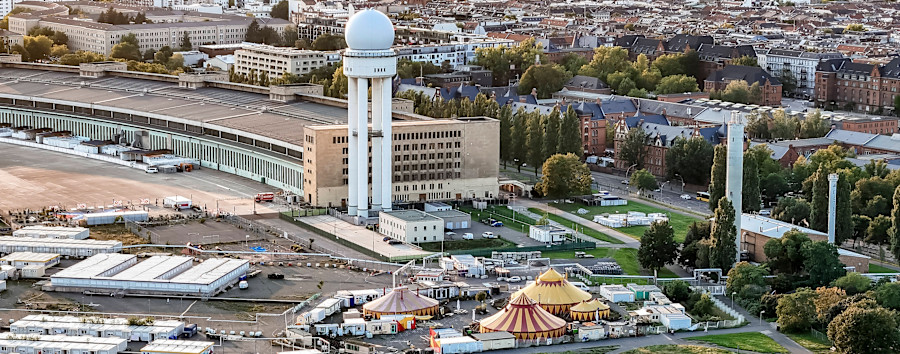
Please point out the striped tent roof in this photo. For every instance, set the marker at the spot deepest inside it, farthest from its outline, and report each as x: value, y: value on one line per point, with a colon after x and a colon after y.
x: 552, y: 288
x: 525, y: 319
x: 400, y: 301
x: 590, y: 306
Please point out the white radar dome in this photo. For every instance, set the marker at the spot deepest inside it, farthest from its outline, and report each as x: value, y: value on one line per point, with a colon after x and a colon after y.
x: 369, y: 30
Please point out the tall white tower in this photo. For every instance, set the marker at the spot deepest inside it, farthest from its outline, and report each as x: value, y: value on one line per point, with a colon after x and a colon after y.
x: 735, y: 175
x: 369, y: 62
x: 832, y: 205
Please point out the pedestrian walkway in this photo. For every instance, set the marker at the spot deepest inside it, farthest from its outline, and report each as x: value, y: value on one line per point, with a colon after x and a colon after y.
x: 628, y: 242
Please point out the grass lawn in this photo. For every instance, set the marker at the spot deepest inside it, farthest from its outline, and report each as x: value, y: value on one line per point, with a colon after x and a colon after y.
x: 754, y: 341
x: 808, y: 341
x: 594, y: 350
x: 677, y: 349
x: 626, y: 257
x: 875, y: 268
x: 679, y: 222
x: 583, y: 229
x: 457, y: 245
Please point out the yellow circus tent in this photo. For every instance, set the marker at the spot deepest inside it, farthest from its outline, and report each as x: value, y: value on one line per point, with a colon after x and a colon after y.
x: 401, y: 301
x: 554, y: 292
x: 589, y: 310
x: 524, y: 319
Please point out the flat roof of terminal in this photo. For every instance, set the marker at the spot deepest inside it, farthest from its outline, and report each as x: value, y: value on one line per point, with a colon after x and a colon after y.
x: 411, y: 215
x: 245, y: 111
x: 29, y: 257
x: 152, y: 268
x: 58, y: 242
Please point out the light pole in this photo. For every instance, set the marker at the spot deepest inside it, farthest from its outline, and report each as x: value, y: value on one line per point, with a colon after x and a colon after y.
x: 760, y: 316
x: 626, y: 174
x: 682, y: 182
x: 732, y: 298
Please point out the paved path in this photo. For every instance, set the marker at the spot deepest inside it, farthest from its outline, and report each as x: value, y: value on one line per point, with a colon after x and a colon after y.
x: 629, y: 242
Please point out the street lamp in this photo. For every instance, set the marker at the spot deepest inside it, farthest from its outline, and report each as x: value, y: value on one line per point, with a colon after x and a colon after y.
x: 732, y: 298
x: 760, y: 316
x: 682, y: 182
x: 629, y: 169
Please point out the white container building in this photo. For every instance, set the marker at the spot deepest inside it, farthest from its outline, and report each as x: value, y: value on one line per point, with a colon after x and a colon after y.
x: 171, y: 346
x: 62, y: 232
x: 96, y: 327
x: 547, y: 233
x: 158, y: 274
x: 616, y: 293
x: 20, y: 260
x: 15, y: 343
x: 64, y: 247
x: 177, y: 202
x: 113, y: 217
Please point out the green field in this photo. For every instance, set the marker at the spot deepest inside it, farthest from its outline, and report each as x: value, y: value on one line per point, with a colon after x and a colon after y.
x: 754, y: 341
x: 626, y: 257
x: 503, y: 214
x: 581, y: 227
x: 677, y: 349
x: 679, y: 222
x: 811, y: 342
x: 875, y: 268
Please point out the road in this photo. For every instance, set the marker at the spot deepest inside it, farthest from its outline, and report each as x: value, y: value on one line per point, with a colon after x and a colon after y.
x: 669, y: 194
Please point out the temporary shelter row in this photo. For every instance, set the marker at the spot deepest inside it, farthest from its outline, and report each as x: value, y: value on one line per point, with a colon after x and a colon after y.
x: 64, y: 247
x: 630, y: 219
x: 170, y: 346
x: 96, y: 327
x: 63, y: 232
x: 16, y: 343
x: 65, y: 142
x: 20, y: 260
x: 112, y: 217
x: 92, y: 146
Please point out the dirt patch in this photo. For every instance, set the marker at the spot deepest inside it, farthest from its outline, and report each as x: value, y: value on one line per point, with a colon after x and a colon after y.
x: 116, y: 232
x: 247, y: 310
x: 38, y: 300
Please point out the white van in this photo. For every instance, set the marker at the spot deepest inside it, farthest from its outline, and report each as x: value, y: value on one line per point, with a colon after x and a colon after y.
x: 468, y: 236
x: 151, y: 169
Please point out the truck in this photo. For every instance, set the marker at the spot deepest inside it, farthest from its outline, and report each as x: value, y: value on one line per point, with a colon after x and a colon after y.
x: 264, y: 197
x: 177, y: 202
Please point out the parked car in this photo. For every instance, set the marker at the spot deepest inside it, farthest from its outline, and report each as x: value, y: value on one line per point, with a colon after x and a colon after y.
x: 468, y: 236
x: 624, y: 181
x: 686, y: 197
x: 386, y: 239
x: 276, y: 276
x: 243, y: 284
x: 514, y: 279
x: 151, y: 169
x: 765, y: 212
x: 394, y: 242
x: 449, y: 234
x: 488, y: 234
x: 496, y: 223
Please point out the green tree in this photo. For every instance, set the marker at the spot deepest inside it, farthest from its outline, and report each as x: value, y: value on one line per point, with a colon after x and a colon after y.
x: 546, y: 78
x: 339, y: 84
x: 894, y: 231
x: 281, y: 10
x: 717, y: 177
x: 80, y: 57
x: 750, y: 189
x: 876, y: 168
x: 254, y: 33
x: 853, y: 283
x: 506, y: 147
x: 871, y: 197
x: 551, y: 134
x: 855, y: 27
x: 175, y: 62
x: 186, y: 41
x: 565, y: 175
x: 877, y: 233
x: 819, y: 206
x: 625, y: 86
x: 643, y: 180
x: 606, y: 60
x: 758, y: 125
x: 723, y: 235
x: 407, y: 69
x: 865, y: 330
x: 670, y: 64
x: 163, y: 55
x: 504, y: 62
x: 570, y: 134
x: 290, y: 37
x: 826, y: 298
x: 796, y: 312
x: 127, y: 48
x: 677, y: 291
x: 57, y: 51
x: 534, y: 140
x: 888, y: 295
x: 814, y: 126
x: 844, y: 215
x: 747, y: 280
x: 519, y: 135
x: 703, y: 307
x: 860, y: 226
x: 773, y: 186
x: 785, y: 255
x: 745, y: 61
x: 737, y: 91
x: 788, y: 81
x: 658, y: 247
x: 676, y: 84
x: 783, y: 126
x: 634, y: 148
x: 821, y: 263
x: 34, y: 48
x: 690, y: 249
x: 691, y: 159
x: 897, y: 105
x: 573, y: 63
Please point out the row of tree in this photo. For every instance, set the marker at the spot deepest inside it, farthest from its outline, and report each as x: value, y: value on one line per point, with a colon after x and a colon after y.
x: 780, y: 125
x: 669, y: 73
x: 113, y: 17
x: 270, y: 36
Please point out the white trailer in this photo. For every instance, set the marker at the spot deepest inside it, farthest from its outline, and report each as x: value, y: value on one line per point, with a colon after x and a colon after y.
x: 177, y: 202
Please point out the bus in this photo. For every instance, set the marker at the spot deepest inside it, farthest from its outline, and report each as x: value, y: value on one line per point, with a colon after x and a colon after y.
x: 703, y: 196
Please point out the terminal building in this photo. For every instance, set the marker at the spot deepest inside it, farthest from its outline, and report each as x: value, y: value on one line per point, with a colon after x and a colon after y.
x: 290, y: 137
x: 16, y: 343
x: 63, y: 247
x: 62, y: 232
x: 156, y: 275
x: 96, y: 327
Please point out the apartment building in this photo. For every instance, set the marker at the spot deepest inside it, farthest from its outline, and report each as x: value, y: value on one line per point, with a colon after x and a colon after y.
x: 870, y: 88
x: 800, y: 65
x: 275, y: 61
x: 770, y: 86
x: 660, y: 137
x: 168, y: 29
x: 454, y: 53
x: 869, y: 125
x: 445, y: 159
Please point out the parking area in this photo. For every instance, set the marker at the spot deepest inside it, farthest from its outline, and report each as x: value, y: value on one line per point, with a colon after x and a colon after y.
x: 35, y: 178
x: 209, y: 232
x: 477, y: 229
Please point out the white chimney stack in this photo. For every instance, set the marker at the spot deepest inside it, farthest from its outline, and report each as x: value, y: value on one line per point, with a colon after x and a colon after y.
x: 735, y: 172
x: 832, y: 206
